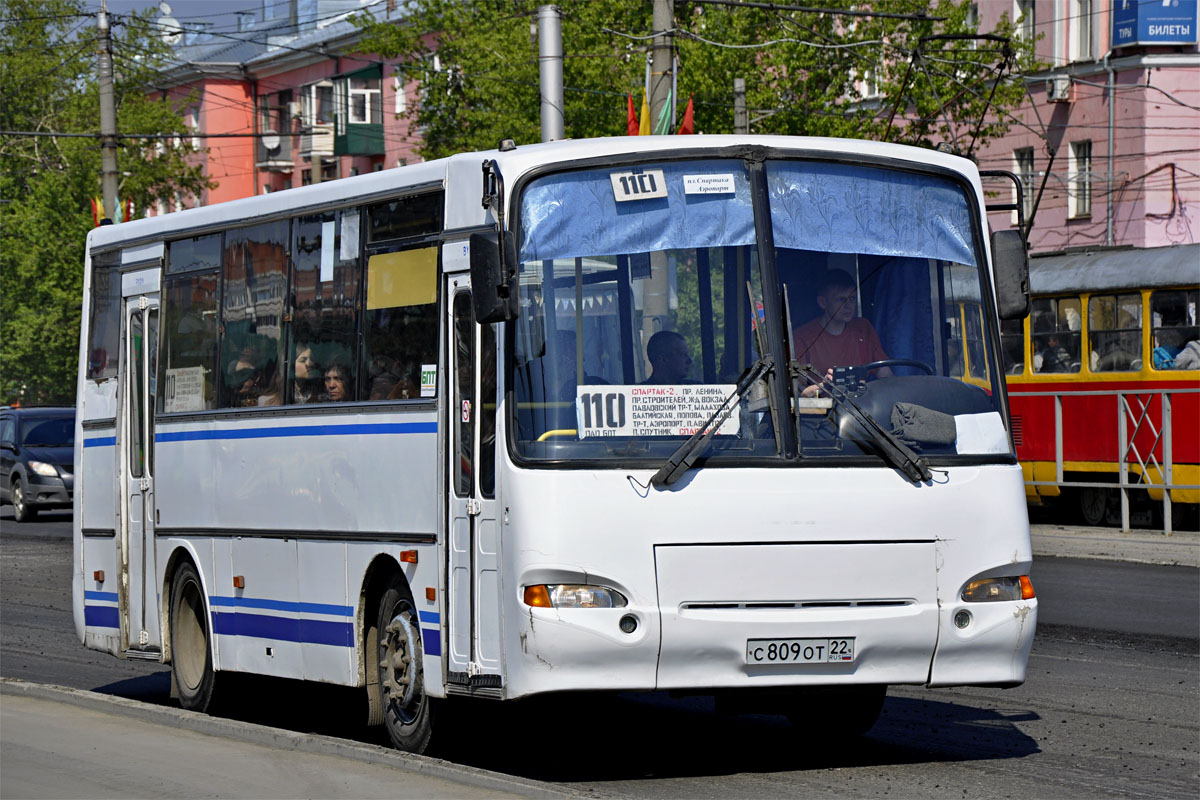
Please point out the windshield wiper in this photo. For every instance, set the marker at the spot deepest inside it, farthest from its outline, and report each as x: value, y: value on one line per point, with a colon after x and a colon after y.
x: 683, y: 458
x: 894, y: 451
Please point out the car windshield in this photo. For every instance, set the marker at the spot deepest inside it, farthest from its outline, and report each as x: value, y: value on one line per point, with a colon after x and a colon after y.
x: 48, y: 432
x: 642, y: 306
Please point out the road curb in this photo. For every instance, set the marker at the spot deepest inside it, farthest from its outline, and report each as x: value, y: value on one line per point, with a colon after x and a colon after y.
x: 288, y: 740
x: 1181, y: 548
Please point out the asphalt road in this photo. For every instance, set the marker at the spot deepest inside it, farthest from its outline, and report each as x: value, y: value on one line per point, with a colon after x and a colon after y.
x: 1111, y: 706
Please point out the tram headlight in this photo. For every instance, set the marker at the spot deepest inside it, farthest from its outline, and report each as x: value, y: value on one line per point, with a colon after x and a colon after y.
x: 573, y: 595
x: 986, y: 590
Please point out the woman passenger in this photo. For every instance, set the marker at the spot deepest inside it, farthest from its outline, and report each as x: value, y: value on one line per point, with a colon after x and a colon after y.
x: 306, y: 378
x: 338, y: 382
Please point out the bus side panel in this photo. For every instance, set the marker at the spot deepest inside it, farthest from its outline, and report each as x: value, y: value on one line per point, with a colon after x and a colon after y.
x: 96, y: 520
x: 325, y: 613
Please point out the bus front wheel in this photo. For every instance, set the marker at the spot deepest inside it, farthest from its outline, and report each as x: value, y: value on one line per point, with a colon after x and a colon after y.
x: 191, y: 650
x: 401, y: 687
x: 836, y: 711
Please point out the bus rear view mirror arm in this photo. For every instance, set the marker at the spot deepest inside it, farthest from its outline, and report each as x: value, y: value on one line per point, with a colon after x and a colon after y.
x: 1011, y: 262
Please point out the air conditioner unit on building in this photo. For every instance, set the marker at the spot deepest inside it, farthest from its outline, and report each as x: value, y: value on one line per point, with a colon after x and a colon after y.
x: 293, y: 108
x: 1058, y: 89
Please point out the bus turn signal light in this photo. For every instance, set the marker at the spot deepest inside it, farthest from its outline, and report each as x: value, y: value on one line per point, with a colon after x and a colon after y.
x: 537, y: 596
x: 1027, y: 592
x: 408, y: 556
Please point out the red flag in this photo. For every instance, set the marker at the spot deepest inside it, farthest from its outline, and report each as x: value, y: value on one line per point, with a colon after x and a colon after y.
x: 631, y: 119
x: 97, y: 211
x: 689, y: 123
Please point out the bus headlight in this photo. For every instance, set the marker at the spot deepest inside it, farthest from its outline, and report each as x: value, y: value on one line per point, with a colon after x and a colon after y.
x: 43, y: 469
x: 985, y: 590
x: 572, y: 595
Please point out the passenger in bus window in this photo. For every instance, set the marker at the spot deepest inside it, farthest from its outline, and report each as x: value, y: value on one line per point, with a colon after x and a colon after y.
x: 306, y: 376
x: 1053, y: 357
x: 338, y: 380
x: 667, y: 352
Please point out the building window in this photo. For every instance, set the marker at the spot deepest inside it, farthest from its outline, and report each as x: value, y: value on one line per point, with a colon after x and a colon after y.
x: 1023, y: 166
x: 317, y: 104
x: 193, y: 123
x: 401, y: 99
x: 1079, y: 196
x: 364, y: 101
x: 306, y: 177
x: 1023, y: 18
x: 1081, y: 30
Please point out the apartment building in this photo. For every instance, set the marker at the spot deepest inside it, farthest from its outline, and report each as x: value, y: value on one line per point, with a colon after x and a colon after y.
x: 292, y: 100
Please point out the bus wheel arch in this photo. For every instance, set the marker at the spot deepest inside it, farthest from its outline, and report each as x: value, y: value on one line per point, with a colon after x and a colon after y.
x: 392, y: 658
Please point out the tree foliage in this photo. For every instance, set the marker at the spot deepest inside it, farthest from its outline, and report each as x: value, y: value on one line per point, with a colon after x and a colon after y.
x: 48, y: 84
x: 805, y: 72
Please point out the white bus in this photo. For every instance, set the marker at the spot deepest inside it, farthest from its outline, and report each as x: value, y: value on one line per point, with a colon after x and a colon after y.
x: 402, y: 431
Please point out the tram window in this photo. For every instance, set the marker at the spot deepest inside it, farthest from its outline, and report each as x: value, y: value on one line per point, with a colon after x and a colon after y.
x: 104, y: 323
x: 400, y: 328
x: 252, y: 315
x: 1174, y: 327
x: 1115, y: 332
x: 1055, y: 323
x: 1012, y: 341
x: 324, y: 303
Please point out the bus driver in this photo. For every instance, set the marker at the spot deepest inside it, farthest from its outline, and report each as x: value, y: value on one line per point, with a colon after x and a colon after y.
x: 837, y: 338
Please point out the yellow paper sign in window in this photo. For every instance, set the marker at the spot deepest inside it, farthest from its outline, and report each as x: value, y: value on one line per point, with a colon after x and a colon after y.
x: 405, y: 278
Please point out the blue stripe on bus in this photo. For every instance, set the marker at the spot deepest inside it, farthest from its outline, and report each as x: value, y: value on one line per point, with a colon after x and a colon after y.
x: 361, y: 429
x: 101, y: 617
x: 285, y: 629
x: 282, y: 605
x: 110, y: 597
x: 432, y: 642
x: 431, y: 617
x: 100, y: 441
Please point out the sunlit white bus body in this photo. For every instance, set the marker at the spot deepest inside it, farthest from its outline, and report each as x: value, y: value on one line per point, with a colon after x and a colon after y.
x: 483, y: 497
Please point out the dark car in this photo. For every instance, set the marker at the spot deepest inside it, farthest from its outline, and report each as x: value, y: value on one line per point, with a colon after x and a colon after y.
x: 37, y: 459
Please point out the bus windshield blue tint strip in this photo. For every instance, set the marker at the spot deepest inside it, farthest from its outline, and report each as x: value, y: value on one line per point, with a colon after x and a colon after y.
x: 282, y: 605
x: 431, y: 616
x: 100, y: 441
x: 359, y: 429
x: 110, y: 597
x: 432, y: 641
x: 284, y: 629
x: 101, y: 617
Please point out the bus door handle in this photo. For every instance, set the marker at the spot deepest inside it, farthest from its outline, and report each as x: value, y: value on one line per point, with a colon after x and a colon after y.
x: 474, y: 507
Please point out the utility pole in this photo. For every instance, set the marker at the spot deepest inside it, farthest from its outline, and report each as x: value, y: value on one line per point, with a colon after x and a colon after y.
x: 108, y: 119
x: 550, y: 70
x: 662, y: 60
x: 741, y: 122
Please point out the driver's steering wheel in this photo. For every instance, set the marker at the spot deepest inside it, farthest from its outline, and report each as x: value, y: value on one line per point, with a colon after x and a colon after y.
x: 898, y: 362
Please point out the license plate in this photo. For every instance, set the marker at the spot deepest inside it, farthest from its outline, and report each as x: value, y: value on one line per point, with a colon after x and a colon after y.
x: 800, y: 651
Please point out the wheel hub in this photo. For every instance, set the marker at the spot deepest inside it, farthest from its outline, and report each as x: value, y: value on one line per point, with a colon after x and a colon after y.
x: 398, y: 669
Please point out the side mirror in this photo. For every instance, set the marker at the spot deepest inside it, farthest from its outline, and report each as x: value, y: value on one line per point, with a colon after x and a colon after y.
x: 1010, y: 263
x: 493, y: 282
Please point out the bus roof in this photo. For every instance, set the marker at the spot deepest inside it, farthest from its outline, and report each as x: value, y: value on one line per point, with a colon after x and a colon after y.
x: 1113, y: 269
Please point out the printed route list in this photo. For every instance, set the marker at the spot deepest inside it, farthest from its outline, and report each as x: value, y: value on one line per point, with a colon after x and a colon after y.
x: 673, y: 410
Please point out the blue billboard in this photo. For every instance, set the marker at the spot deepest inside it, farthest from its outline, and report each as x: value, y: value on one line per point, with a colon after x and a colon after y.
x: 1153, y: 22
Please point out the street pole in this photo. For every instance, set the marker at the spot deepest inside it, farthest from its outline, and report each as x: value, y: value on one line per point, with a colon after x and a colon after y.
x: 108, y: 119
x: 656, y: 291
x: 741, y: 121
x: 550, y: 70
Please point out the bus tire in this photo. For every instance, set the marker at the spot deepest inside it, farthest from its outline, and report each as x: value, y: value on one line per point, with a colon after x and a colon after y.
x: 21, y: 509
x: 191, y: 646
x: 836, y: 712
x: 401, y: 688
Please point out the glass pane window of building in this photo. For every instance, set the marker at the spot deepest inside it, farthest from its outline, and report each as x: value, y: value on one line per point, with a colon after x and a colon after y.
x: 1115, y: 332
x: 1174, y: 328
x: 1023, y: 166
x: 364, y: 100
x: 1080, y: 191
x: 1055, y: 324
x: 255, y: 283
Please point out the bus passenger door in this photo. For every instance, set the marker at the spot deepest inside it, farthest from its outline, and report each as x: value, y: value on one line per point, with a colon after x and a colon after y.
x: 473, y: 552
x: 138, y: 586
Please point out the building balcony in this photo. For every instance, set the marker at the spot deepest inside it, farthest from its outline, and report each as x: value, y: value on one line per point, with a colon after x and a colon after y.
x: 274, y: 152
x: 317, y: 141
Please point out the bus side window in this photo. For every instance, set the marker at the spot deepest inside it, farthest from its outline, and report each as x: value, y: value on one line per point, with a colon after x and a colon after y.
x: 1174, y: 327
x: 1115, y: 332
x: 191, y: 295
x: 252, y: 315
x: 104, y: 323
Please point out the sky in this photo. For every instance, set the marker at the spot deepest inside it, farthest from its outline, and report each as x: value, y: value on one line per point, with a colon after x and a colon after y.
x: 222, y: 14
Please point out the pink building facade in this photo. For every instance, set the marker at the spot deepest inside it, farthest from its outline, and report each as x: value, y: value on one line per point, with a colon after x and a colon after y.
x: 1121, y: 118
x: 285, y: 104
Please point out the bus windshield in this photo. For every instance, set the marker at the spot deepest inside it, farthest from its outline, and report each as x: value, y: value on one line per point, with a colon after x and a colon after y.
x: 642, y: 306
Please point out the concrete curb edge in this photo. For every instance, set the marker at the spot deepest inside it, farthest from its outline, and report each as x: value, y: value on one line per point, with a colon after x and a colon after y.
x: 289, y: 740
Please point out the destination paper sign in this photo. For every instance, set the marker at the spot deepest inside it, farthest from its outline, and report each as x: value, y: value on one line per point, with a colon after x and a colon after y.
x: 672, y: 410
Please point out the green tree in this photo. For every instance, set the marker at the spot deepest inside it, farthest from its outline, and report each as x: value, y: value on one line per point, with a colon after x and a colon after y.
x: 48, y: 86
x: 805, y: 72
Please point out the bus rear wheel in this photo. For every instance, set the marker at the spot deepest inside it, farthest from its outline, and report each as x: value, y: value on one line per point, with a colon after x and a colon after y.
x: 835, y: 712
x: 406, y: 707
x: 191, y: 650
